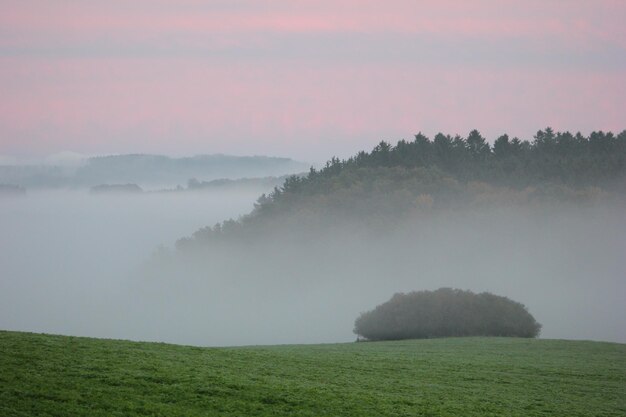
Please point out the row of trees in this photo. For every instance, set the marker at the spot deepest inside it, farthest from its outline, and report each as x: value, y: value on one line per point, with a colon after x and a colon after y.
x: 394, y: 181
x: 559, y: 158
x: 572, y: 159
x: 446, y: 312
x: 552, y: 157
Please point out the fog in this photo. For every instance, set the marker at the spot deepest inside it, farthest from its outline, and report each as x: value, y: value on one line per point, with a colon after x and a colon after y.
x: 68, y: 259
x: 78, y: 264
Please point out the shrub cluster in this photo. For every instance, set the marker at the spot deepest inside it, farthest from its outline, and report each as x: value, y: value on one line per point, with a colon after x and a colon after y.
x: 446, y: 312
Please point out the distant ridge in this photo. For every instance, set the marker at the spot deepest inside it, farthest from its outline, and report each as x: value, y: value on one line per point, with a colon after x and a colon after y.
x: 149, y: 170
x: 116, y: 188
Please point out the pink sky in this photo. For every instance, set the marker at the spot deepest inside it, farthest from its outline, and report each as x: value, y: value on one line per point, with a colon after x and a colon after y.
x: 306, y: 79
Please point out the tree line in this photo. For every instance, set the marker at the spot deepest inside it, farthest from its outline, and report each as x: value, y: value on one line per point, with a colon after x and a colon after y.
x: 415, y: 176
x: 572, y: 159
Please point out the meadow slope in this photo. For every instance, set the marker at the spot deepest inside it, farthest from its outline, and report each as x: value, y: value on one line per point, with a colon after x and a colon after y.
x: 43, y: 375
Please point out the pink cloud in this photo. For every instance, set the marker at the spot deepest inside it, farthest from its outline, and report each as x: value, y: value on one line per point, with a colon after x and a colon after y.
x: 298, y: 105
x: 40, y: 22
x: 172, y: 105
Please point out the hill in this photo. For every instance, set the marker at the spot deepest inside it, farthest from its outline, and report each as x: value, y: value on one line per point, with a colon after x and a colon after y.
x: 57, y: 375
x: 393, y: 183
x: 116, y: 189
x: 148, y: 170
x: 163, y: 170
x: 540, y: 222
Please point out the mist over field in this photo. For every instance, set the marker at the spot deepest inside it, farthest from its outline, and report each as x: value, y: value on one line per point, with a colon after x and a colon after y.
x: 564, y: 263
x: 80, y: 264
x: 68, y: 259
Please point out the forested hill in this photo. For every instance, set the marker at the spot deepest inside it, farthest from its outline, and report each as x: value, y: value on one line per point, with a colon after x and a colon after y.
x: 443, y: 172
x: 558, y: 157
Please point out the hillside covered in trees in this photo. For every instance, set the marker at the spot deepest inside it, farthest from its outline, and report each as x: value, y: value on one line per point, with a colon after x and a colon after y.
x: 414, y: 177
x: 540, y: 221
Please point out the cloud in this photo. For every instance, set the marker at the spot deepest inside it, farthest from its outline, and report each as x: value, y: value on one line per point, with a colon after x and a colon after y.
x: 294, y: 109
x: 300, y: 76
x: 37, y: 25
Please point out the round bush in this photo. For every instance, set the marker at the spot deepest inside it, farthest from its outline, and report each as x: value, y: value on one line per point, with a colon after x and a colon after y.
x: 446, y: 312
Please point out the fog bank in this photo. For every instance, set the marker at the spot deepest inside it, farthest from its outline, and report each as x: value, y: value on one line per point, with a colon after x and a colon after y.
x: 77, y: 264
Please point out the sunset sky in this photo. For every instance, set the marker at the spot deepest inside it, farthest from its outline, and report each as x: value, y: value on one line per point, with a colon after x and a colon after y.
x: 303, y: 79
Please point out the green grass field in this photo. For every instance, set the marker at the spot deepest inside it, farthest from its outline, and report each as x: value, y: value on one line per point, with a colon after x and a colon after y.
x: 70, y: 376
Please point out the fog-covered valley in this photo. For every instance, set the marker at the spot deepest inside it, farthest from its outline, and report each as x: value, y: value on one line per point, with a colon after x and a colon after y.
x: 564, y: 263
x: 80, y: 264
x: 68, y: 259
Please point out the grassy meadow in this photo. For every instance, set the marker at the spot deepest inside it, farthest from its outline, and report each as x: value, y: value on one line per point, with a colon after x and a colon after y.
x: 43, y: 375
